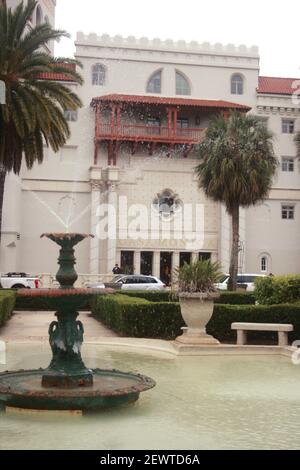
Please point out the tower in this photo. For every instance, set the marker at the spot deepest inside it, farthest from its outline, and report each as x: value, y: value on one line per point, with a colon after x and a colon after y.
x: 44, y: 12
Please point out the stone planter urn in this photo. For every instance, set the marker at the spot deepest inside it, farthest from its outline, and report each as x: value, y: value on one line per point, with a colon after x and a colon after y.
x: 197, y: 310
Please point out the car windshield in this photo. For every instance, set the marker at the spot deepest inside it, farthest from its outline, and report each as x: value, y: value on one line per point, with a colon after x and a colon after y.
x: 223, y: 278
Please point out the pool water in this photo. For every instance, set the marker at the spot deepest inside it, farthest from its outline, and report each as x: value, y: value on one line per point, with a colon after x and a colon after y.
x: 224, y: 402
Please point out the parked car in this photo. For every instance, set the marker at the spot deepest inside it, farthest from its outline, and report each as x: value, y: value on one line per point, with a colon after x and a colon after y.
x: 132, y: 282
x: 19, y: 281
x: 244, y: 280
x: 139, y: 283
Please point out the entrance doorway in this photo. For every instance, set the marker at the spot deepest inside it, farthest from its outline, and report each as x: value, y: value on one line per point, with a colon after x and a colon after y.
x: 185, y: 258
x: 146, y: 263
x: 166, y: 265
x: 204, y: 256
x: 127, y: 262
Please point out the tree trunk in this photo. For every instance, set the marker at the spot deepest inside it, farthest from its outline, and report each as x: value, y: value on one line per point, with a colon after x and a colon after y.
x: 234, y: 262
x: 2, y: 184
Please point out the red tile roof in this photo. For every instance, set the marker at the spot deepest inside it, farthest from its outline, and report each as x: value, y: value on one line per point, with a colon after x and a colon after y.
x: 278, y: 86
x: 58, y: 77
x: 119, y: 98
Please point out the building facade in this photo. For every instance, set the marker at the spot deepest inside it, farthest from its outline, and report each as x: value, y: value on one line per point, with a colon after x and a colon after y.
x: 127, y: 172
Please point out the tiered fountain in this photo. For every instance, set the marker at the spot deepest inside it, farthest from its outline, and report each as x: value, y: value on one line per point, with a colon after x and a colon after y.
x: 68, y: 384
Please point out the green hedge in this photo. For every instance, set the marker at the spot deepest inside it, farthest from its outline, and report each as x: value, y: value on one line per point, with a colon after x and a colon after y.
x: 232, y: 298
x: 138, y: 317
x: 41, y: 303
x: 225, y: 315
x: 274, y: 290
x: 7, y: 304
x: 236, y: 298
x: 152, y: 295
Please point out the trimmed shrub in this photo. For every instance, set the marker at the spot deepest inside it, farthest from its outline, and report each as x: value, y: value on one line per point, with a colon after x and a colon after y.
x: 41, y: 303
x: 236, y: 298
x: 277, y: 290
x: 224, y: 315
x: 7, y: 304
x: 137, y: 317
x: 232, y: 298
x: 152, y: 295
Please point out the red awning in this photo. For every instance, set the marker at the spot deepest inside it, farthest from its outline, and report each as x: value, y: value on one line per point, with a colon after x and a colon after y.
x: 157, y: 100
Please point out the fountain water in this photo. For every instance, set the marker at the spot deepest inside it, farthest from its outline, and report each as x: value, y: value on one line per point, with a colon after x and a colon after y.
x: 67, y: 384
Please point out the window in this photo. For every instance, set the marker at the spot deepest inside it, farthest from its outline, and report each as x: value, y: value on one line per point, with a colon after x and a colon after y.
x: 39, y: 16
x: 288, y: 212
x: 154, y: 83
x: 182, y: 123
x: 288, y: 126
x: 237, y: 85
x: 264, y: 264
x: 182, y: 85
x: 70, y: 115
x: 204, y: 256
x: 127, y: 262
x: 153, y: 126
x: 287, y: 164
x: 185, y: 258
x: 98, y: 74
x: 146, y: 263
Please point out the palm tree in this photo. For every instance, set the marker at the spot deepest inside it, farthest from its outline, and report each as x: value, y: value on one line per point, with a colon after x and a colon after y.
x: 237, y: 168
x: 34, y: 112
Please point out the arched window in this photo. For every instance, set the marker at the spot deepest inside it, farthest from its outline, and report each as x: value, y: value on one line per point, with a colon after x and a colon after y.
x: 237, y: 84
x: 98, y: 74
x: 264, y: 264
x: 154, y: 83
x: 38, y: 16
x: 182, y: 85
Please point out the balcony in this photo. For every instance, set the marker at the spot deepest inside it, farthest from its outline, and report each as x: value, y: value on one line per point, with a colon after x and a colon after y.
x: 149, y: 133
x: 153, y: 120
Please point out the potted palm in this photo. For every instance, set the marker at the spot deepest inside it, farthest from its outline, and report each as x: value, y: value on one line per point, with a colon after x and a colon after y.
x: 197, y: 292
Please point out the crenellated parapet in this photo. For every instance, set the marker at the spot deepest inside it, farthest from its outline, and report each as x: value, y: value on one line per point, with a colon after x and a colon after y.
x: 168, y: 45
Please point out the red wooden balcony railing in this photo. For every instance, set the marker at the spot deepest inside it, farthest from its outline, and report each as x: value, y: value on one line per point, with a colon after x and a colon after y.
x: 134, y: 132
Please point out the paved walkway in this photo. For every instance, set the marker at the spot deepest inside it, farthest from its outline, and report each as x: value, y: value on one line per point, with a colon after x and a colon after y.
x: 33, y: 326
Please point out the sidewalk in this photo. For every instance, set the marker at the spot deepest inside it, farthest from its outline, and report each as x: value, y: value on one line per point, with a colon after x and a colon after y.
x: 33, y: 326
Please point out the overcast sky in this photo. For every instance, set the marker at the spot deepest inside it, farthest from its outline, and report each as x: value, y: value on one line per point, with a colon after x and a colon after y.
x: 271, y: 25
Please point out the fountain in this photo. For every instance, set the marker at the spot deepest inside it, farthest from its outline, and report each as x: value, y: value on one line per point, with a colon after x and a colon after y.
x: 67, y: 384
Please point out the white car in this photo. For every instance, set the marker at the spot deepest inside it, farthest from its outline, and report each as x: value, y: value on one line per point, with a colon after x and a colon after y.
x: 139, y: 282
x: 243, y: 280
x: 132, y: 282
x: 19, y: 281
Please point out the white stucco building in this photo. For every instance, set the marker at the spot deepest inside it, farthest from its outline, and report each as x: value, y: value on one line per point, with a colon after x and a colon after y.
x: 146, y: 105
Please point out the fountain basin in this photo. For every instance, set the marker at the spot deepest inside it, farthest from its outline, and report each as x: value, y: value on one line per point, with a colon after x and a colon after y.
x: 110, y: 388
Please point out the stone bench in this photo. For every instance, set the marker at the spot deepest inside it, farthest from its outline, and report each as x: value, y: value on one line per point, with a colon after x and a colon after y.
x: 281, y: 329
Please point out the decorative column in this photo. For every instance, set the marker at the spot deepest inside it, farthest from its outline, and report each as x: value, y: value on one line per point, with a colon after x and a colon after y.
x: 112, y: 201
x: 97, y: 187
x: 156, y: 264
x: 176, y: 259
x: 137, y: 262
x: 195, y: 257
